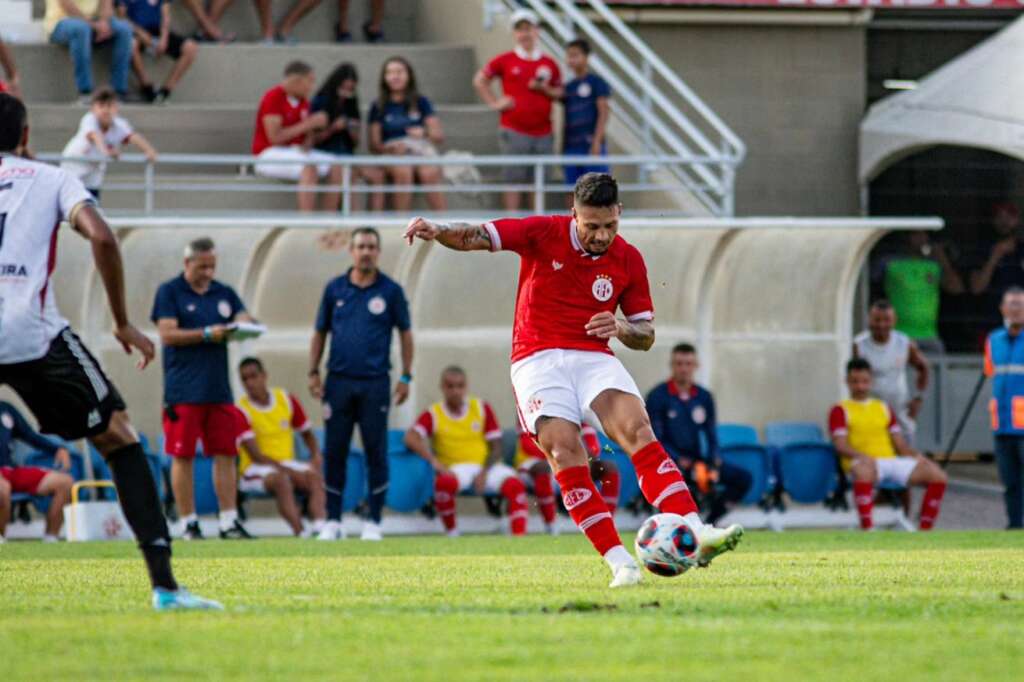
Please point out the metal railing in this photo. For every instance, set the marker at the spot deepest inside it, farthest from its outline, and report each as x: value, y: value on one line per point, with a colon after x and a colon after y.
x: 650, y: 99
x: 240, y: 167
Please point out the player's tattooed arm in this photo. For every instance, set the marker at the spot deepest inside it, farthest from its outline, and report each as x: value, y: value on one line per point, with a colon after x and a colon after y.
x: 637, y: 335
x: 457, y: 236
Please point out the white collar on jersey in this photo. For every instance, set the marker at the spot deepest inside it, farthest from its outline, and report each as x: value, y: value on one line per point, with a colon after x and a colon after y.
x: 528, y: 56
x: 575, y: 239
x: 460, y: 415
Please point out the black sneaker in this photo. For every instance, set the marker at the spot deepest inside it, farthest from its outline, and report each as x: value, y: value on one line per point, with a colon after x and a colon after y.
x: 371, y: 35
x: 161, y: 96
x: 192, y: 532
x: 148, y: 93
x: 236, y: 532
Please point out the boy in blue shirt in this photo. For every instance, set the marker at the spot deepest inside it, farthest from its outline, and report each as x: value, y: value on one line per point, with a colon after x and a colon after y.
x: 680, y: 411
x: 151, y: 26
x: 585, y: 101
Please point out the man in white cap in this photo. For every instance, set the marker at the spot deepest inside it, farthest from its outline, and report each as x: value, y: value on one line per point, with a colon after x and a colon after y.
x: 530, y: 80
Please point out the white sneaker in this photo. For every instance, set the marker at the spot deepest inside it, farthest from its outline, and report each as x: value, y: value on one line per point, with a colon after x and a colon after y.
x: 332, y: 530
x: 713, y: 541
x: 48, y: 539
x: 774, y: 520
x: 903, y: 523
x: 626, y: 575
x: 453, y: 533
x: 371, y: 532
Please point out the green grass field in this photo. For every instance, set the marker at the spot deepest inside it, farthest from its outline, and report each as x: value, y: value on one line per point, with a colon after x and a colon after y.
x: 799, y: 605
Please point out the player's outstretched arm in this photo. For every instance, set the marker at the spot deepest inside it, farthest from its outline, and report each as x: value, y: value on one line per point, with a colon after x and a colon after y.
x: 106, y: 253
x: 457, y: 236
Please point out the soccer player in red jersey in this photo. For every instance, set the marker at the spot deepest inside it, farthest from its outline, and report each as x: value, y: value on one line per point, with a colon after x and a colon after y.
x: 575, y: 273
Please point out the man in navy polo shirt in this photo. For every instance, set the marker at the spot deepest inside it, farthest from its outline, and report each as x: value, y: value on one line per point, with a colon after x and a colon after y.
x: 192, y: 312
x: 585, y: 103
x: 359, y: 310
x: 680, y: 410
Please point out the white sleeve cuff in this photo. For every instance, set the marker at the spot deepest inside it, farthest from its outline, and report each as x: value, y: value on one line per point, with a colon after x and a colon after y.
x: 840, y: 432
x: 492, y: 231
x: 637, y: 317
x: 418, y: 428
x: 306, y: 426
x: 493, y: 435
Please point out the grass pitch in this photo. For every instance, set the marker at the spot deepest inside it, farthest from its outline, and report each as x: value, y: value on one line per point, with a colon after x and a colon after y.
x: 798, y: 605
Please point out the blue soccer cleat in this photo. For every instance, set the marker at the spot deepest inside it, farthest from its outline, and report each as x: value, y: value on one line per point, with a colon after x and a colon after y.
x: 182, y: 600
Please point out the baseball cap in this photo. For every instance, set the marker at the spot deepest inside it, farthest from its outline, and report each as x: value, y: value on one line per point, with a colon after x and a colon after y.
x: 523, y: 15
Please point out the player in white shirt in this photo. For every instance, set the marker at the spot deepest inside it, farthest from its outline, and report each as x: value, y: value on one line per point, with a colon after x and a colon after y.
x: 46, y: 364
x: 101, y: 134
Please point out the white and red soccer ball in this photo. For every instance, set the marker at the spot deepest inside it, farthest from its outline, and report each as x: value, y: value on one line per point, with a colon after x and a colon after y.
x: 666, y: 545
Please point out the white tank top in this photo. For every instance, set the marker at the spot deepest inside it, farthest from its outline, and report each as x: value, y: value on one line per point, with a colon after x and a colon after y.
x: 34, y: 199
x: 888, y: 366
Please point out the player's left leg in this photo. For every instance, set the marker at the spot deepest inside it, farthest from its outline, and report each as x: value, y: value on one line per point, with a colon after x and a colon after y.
x: 221, y: 430
x: 279, y: 485
x: 373, y: 428
x: 624, y: 418
x: 502, y: 479
x: 311, y: 482
x: 933, y: 479
x: 57, y: 486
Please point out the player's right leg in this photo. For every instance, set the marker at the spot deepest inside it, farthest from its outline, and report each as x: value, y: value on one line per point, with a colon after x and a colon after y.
x: 57, y: 486
x: 279, y: 485
x: 933, y: 479
x: 339, y: 422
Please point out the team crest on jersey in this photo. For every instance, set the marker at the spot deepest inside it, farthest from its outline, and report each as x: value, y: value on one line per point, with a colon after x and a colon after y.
x: 602, y: 288
x: 475, y: 426
x: 543, y: 73
x: 284, y: 424
x: 575, y: 497
x: 377, y: 305
x: 224, y: 308
x: 583, y: 90
x: 700, y: 415
x: 555, y: 265
x: 7, y: 420
x: 672, y: 414
x: 191, y: 307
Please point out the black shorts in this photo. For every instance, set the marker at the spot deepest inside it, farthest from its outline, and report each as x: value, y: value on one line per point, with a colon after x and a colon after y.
x: 65, y: 389
x: 174, y: 42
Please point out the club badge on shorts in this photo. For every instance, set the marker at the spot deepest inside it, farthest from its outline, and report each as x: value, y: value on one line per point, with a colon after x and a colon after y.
x: 224, y: 308
x: 377, y: 305
x: 602, y: 288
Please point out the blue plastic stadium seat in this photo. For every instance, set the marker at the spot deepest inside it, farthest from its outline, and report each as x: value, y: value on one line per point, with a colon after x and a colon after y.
x: 780, y: 434
x: 736, y: 434
x: 808, y: 471
x: 754, y: 459
x: 411, y: 482
x: 395, y: 440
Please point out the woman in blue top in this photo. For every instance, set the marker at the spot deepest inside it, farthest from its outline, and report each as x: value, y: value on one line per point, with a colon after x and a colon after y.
x: 403, y: 123
x: 337, y: 98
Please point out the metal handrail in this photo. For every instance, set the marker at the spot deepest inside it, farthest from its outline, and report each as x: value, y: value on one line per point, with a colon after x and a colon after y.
x: 642, y: 106
x: 149, y: 185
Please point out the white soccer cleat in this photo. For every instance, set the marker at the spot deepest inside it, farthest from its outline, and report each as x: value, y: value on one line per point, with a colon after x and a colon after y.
x: 713, y: 541
x: 371, y: 532
x: 332, y: 530
x: 626, y: 575
x: 903, y: 523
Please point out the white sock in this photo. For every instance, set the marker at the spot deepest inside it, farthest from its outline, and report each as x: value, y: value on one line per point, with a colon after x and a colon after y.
x: 693, y: 521
x: 228, y: 518
x: 189, y: 518
x: 618, y: 556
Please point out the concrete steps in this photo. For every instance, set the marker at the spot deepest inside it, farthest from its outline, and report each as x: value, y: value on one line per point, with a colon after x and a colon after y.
x: 227, y: 128
x: 317, y: 26
x: 240, y: 73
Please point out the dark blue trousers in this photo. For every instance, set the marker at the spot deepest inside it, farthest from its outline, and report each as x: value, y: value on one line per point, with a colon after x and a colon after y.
x: 1010, y: 458
x: 352, y: 401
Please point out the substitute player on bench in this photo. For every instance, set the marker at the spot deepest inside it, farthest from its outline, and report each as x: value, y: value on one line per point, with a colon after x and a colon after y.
x: 45, y: 362
x: 575, y: 273
x: 461, y: 439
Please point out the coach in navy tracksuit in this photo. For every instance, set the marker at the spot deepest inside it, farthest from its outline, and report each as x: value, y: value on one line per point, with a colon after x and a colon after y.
x: 680, y: 410
x: 359, y: 310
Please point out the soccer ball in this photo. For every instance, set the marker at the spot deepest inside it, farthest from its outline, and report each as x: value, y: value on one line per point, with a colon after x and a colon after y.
x: 666, y: 545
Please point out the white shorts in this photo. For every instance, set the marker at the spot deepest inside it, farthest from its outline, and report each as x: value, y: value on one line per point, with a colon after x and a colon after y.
x: 254, y: 477
x: 895, y: 470
x: 292, y: 171
x: 496, y: 476
x: 563, y: 383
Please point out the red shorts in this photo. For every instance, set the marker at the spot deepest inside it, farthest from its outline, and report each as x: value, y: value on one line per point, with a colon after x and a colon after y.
x: 218, y: 426
x: 24, y: 479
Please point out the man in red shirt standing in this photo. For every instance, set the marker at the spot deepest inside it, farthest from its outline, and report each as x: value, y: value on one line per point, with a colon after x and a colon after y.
x: 575, y: 273
x: 530, y: 80
x: 284, y: 132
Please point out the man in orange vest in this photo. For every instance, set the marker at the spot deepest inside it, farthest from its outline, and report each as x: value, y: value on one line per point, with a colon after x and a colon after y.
x: 868, y: 439
x: 461, y: 439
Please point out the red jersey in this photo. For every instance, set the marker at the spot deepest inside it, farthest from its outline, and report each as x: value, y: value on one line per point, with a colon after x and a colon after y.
x: 561, y: 286
x: 277, y: 102
x: 530, y: 113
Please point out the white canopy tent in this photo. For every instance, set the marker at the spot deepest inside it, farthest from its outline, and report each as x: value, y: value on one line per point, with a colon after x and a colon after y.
x: 973, y: 101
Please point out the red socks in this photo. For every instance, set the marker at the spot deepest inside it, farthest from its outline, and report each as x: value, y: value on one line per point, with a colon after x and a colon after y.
x: 446, y: 487
x: 661, y: 482
x: 544, y: 489
x: 587, y: 509
x: 864, y: 498
x: 514, y: 491
x: 931, y: 503
x: 610, y: 486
